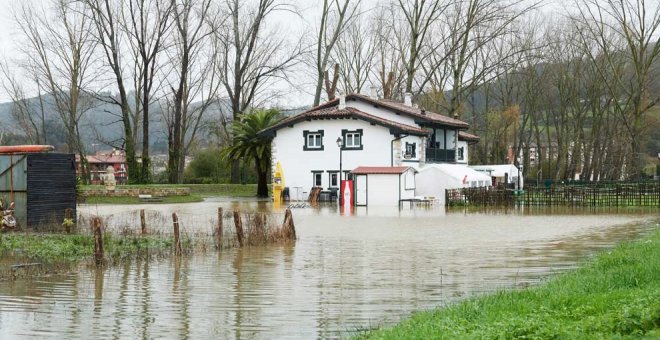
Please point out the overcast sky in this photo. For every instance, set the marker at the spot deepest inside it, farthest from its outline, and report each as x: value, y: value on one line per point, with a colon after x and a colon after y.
x: 296, y: 23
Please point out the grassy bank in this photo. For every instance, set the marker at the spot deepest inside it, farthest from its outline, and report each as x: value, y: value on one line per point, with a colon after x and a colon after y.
x: 198, y: 191
x: 617, y: 295
x: 134, y: 200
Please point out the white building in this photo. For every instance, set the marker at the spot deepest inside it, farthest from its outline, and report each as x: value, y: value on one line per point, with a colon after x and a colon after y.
x: 371, y: 132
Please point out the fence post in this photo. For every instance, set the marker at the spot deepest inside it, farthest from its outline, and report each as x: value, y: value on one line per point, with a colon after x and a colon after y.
x: 288, y: 226
x: 239, y: 227
x: 98, y: 241
x: 219, y: 231
x: 143, y: 222
x: 177, y: 238
x: 68, y: 220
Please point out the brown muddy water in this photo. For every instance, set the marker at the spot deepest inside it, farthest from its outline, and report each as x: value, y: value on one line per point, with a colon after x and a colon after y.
x: 347, y: 271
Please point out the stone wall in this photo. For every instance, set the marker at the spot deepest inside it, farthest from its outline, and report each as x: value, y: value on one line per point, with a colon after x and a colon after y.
x: 134, y: 192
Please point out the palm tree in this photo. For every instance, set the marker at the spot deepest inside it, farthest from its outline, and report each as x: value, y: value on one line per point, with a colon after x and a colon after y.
x: 249, y: 146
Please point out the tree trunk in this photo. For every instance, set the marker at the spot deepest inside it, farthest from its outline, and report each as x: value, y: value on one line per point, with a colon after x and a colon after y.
x: 262, y: 183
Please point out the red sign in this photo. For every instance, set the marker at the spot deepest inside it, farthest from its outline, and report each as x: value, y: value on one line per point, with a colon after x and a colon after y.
x: 346, y: 193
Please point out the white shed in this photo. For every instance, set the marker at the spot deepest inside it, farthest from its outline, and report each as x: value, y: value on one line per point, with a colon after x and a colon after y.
x: 383, y: 185
x: 501, y: 172
x: 434, y: 179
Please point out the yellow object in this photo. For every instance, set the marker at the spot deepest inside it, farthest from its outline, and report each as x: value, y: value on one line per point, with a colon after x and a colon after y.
x: 278, y: 183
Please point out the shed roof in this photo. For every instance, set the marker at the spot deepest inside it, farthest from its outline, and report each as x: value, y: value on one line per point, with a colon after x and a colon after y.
x: 381, y: 170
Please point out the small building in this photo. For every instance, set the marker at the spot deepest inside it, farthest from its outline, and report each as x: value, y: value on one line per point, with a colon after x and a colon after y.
x: 434, y: 179
x: 41, y: 185
x: 99, y: 163
x: 383, y: 185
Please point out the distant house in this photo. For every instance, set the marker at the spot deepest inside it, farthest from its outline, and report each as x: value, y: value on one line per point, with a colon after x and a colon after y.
x: 99, y: 163
x: 369, y: 132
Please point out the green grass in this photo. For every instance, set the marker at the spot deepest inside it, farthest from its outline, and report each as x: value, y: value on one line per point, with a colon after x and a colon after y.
x: 135, y: 200
x: 615, y: 296
x: 63, y: 248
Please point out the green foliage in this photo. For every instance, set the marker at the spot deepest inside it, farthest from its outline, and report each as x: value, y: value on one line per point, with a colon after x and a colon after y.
x: 248, y: 145
x: 251, y: 147
x: 615, y: 296
x: 208, y: 166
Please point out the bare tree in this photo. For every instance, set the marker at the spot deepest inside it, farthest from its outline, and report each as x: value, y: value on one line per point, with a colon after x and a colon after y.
x: 480, y: 28
x: 624, y: 30
x: 193, y: 61
x: 59, y: 53
x: 29, y: 118
x: 412, y: 23
x: 147, y: 23
x: 107, y: 18
x: 335, y: 15
x: 355, y: 54
x: 250, y: 58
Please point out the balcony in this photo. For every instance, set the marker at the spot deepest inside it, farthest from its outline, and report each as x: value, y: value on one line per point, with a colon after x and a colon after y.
x: 440, y: 156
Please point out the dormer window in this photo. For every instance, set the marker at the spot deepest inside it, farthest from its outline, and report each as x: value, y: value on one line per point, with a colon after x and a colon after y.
x: 352, y: 139
x: 313, y: 140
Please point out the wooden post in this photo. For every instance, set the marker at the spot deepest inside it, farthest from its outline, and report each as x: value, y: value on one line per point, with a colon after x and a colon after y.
x: 219, y: 230
x: 98, y: 241
x: 239, y: 227
x: 143, y: 222
x: 68, y: 220
x: 288, y: 226
x: 177, y: 239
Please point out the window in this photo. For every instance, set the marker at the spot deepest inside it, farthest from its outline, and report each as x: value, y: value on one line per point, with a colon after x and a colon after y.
x: 334, y: 179
x: 317, y: 179
x: 352, y: 139
x: 313, y: 140
x: 461, y: 152
x: 410, y: 150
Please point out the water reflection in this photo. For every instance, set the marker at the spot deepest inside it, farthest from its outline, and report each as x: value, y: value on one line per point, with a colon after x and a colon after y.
x: 346, y: 272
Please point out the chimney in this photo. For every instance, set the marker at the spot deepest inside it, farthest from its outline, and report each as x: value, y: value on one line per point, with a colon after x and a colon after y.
x: 342, y: 101
x: 407, y: 99
x: 373, y: 92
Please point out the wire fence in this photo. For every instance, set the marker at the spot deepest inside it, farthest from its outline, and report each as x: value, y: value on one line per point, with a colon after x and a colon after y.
x: 595, y: 194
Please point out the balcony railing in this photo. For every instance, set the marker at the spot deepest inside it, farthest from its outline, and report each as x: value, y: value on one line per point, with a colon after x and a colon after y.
x: 440, y: 155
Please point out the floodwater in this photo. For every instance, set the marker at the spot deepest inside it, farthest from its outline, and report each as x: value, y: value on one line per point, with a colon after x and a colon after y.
x: 348, y: 271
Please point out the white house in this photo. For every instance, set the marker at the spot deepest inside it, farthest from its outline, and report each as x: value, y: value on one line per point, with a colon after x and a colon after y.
x: 360, y: 131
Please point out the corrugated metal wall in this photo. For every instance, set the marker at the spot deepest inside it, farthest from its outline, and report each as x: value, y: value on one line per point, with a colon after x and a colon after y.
x: 13, y: 182
x: 51, y: 188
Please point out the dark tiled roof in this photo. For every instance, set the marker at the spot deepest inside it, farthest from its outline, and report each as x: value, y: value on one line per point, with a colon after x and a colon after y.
x: 333, y: 112
x: 381, y: 170
x: 468, y: 137
x: 418, y: 114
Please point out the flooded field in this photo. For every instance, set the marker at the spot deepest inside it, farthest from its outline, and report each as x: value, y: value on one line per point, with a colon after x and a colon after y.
x: 348, y: 271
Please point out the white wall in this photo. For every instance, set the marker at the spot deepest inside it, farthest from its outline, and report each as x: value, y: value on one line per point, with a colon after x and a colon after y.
x: 433, y: 183
x: 298, y: 164
x: 464, y: 145
x: 408, y: 184
x: 382, y: 189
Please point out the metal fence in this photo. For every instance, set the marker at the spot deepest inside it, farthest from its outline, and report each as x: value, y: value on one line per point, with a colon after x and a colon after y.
x: 596, y: 194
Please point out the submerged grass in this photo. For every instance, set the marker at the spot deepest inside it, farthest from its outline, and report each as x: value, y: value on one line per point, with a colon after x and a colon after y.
x: 617, y: 295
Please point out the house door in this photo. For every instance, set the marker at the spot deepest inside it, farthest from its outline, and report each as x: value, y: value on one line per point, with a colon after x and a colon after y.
x: 361, y: 190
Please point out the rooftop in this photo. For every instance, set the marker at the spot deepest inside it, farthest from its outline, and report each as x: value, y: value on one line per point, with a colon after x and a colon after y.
x: 381, y: 170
